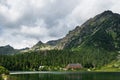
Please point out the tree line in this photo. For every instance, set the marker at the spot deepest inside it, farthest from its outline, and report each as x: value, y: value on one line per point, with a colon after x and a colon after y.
x: 32, y: 60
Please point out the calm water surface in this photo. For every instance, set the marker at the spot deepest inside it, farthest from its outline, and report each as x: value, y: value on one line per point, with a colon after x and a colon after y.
x: 67, y: 76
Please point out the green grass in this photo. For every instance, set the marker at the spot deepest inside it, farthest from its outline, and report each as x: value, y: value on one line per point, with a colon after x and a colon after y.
x: 114, y: 66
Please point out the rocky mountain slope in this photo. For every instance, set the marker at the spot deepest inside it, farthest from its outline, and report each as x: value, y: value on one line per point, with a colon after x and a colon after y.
x: 43, y: 46
x: 103, y: 30
x: 7, y: 50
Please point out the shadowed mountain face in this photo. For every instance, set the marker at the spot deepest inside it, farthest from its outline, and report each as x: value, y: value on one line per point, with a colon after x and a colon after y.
x: 101, y: 31
x: 53, y: 42
x: 7, y: 50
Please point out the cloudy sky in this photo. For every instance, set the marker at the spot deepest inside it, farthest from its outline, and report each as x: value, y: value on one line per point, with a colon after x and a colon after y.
x: 24, y: 22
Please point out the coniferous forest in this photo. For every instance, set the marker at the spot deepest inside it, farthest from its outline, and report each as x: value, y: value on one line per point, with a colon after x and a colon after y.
x: 54, y: 60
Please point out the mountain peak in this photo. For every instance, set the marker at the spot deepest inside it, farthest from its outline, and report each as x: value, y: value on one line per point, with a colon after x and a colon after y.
x: 7, y: 50
x: 39, y: 43
x: 108, y: 12
x: 7, y: 46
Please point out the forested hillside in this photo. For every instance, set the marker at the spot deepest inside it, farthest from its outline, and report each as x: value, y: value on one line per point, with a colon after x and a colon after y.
x: 54, y: 59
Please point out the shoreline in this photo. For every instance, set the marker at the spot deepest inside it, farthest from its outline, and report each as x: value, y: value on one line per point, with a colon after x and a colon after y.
x: 58, y: 72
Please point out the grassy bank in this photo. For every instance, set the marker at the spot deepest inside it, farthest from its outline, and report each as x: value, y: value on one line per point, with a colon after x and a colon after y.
x: 114, y: 66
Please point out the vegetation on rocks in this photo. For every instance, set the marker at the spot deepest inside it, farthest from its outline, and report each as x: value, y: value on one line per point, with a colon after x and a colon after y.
x: 3, y: 70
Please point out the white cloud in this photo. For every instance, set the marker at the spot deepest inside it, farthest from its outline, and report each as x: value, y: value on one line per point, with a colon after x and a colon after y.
x: 10, y: 14
x: 37, y: 3
x: 16, y: 40
x: 39, y: 29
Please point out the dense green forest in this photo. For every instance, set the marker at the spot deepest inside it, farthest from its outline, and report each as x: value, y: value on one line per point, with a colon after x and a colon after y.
x: 56, y: 59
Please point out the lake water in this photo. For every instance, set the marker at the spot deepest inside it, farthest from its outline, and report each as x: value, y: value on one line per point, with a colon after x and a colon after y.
x: 67, y: 76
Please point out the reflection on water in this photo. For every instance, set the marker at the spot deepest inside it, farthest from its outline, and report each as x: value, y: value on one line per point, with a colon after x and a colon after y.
x: 68, y: 76
x: 0, y: 77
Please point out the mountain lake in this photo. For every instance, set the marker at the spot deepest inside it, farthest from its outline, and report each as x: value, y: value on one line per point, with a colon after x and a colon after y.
x: 64, y: 76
